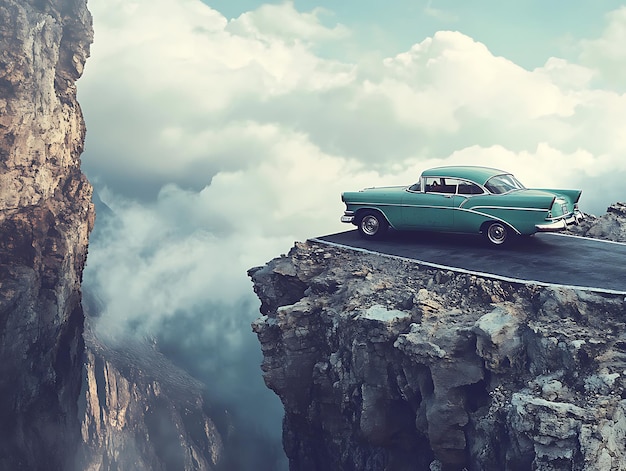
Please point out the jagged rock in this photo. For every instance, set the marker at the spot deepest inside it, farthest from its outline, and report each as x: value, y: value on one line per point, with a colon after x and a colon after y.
x: 385, y: 364
x: 610, y: 226
x: 45, y: 218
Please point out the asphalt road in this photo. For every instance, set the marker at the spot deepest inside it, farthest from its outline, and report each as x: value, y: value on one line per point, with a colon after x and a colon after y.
x: 551, y: 259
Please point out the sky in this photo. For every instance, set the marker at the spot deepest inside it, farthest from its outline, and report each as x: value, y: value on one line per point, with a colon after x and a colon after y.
x: 220, y: 132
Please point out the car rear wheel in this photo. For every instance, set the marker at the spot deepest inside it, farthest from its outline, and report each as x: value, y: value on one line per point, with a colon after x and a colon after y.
x: 496, y: 233
x: 372, y: 225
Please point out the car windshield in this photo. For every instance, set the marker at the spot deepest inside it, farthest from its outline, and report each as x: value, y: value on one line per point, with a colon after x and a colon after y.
x: 503, y: 184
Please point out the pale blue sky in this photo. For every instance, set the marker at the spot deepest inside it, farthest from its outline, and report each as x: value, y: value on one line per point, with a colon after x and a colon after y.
x: 526, y: 32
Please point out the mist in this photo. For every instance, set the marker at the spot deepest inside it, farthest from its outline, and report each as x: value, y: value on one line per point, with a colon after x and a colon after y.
x: 152, y: 282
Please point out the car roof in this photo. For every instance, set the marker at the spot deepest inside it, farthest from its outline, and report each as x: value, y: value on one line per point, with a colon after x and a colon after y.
x: 476, y: 174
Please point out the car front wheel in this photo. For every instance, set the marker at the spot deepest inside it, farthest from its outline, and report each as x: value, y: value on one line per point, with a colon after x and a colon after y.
x: 496, y: 233
x: 372, y: 225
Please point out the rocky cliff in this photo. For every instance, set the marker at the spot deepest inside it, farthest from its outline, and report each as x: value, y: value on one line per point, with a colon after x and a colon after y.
x: 383, y: 364
x: 45, y: 218
x: 67, y: 401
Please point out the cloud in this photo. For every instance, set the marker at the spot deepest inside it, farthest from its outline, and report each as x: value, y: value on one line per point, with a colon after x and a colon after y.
x: 160, y: 273
x: 283, y: 22
x: 445, y: 81
x: 606, y: 54
x: 157, y: 261
x: 193, y: 96
x: 176, y: 80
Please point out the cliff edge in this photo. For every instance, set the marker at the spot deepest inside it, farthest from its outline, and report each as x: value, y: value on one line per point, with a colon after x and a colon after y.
x: 385, y: 364
x: 45, y: 218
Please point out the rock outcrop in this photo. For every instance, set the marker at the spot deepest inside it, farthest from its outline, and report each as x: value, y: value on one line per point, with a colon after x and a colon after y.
x: 45, y: 218
x: 609, y: 226
x: 383, y: 364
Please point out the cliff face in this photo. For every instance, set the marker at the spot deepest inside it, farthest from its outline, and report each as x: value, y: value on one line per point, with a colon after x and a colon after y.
x: 45, y: 218
x: 139, y: 412
x: 384, y: 364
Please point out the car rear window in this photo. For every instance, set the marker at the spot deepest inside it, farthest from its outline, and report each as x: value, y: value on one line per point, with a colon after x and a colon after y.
x: 503, y: 184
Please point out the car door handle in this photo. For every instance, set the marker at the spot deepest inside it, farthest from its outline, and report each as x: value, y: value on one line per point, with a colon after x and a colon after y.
x: 448, y: 196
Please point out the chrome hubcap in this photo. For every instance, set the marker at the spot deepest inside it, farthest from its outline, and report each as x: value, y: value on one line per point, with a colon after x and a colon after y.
x: 497, y: 233
x: 370, y: 225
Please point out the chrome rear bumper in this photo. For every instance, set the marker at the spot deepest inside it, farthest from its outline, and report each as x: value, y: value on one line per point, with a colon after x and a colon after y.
x: 561, y: 224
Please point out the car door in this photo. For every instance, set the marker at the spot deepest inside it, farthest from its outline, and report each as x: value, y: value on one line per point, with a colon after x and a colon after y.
x: 432, y: 207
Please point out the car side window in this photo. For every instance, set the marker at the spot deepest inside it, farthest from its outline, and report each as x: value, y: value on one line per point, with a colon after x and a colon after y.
x: 451, y: 185
x: 432, y: 185
x: 468, y: 188
x: 441, y: 185
x: 415, y: 187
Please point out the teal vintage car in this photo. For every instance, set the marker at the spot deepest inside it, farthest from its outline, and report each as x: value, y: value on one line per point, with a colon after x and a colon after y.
x: 464, y: 199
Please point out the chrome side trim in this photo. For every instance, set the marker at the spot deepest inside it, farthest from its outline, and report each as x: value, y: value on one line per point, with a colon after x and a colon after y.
x: 491, y: 216
x: 556, y: 224
x: 513, y: 208
x: 370, y: 204
x: 449, y: 208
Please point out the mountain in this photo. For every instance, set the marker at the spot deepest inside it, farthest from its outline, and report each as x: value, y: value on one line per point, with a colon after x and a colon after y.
x: 382, y: 363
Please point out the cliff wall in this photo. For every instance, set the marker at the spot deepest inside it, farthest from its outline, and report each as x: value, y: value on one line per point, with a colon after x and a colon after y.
x: 45, y: 218
x: 383, y: 364
x: 69, y: 401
